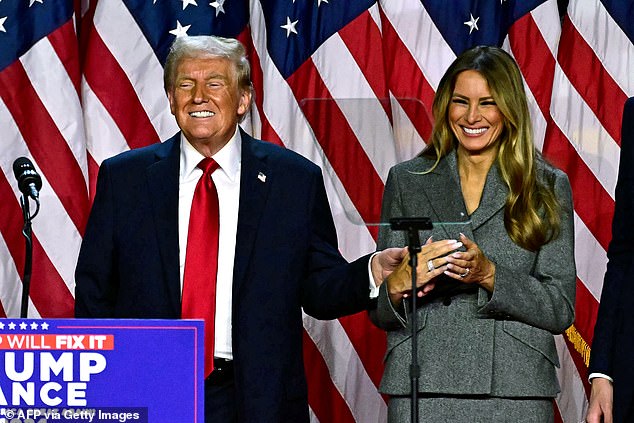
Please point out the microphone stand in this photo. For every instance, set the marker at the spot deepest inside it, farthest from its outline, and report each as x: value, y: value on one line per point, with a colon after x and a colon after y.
x: 28, y: 257
x: 412, y: 225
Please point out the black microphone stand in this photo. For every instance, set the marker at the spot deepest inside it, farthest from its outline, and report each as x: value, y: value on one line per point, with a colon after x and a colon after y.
x: 412, y: 225
x: 28, y: 258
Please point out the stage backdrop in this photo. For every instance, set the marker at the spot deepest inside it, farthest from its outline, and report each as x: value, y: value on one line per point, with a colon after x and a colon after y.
x: 345, y: 83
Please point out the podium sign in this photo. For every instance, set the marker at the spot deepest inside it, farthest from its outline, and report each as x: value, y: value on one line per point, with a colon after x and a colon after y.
x: 98, y: 370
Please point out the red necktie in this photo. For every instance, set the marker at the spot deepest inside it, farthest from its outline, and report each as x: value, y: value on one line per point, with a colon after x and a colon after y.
x: 201, y: 259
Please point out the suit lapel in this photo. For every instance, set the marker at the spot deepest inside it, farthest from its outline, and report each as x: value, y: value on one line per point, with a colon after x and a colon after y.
x: 162, y: 178
x: 445, y: 195
x: 493, y: 198
x: 255, y: 180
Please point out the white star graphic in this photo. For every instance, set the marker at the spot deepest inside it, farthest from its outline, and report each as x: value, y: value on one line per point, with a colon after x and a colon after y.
x: 289, y: 27
x: 180, y: 30
x: 319, y: 2
x: 44, y: 326
x: 32, y: 2
x: 2, y: 21
x: 1, y: 324
x: 472, y: 23
x: 188, y: 2
x: 33, y: 326
x: 11, y: 326
x: 23, y: 326
x: 219, y: 6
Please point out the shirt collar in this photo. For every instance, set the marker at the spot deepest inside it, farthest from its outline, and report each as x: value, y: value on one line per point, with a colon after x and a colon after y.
x: 228, y: 157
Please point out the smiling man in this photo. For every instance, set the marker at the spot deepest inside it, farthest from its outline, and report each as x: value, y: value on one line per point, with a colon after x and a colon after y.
x: 216, y: 225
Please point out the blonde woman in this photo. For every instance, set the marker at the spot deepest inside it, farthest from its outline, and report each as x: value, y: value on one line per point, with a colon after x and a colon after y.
x: 485, y: 335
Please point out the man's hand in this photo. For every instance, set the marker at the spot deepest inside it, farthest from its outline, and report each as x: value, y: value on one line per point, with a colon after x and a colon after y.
x: 385, y: 262
x: 601, y: 400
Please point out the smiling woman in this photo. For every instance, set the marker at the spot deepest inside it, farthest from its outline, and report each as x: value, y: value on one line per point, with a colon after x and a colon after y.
x: 485, y: 340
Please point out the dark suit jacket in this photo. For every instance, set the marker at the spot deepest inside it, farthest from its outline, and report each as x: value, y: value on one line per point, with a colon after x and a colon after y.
x: 286, y: 258
x: 613, y: 342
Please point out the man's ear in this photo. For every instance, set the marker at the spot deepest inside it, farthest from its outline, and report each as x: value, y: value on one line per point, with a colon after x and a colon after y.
x: 170, y: 98
x: 245, y: 102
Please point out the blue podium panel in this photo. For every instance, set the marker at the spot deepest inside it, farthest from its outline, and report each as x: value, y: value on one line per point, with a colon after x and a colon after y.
x: 101, y: 370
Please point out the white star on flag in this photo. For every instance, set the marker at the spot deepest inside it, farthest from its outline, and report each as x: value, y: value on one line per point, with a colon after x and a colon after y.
x: 319, y: 2
x: 472, y: 23
x: 289, y: 27
x: 219, y: 6
x: 2, y: 21
x: 180, y: 30
x: 32, y: 2
x: 188, y: 2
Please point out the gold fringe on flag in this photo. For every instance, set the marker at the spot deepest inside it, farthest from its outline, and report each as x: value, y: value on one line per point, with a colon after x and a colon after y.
x: 581, y: 346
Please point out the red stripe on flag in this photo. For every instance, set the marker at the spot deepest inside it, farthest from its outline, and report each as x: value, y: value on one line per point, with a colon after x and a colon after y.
x: 112, y: 87
x: 339, y: 143
x: 586, y: 308
x: 93, y: 172
x: 369, y: 342
x: 534, y: 59
x: 257, y: 78
x: 46, y: 144
x: 64, y: 42
x: 48, y: 291
x: 406, y: 81
x: 363, y: 38
x: 327, y: 402
x: 587, y: 74
x: 591, y: 201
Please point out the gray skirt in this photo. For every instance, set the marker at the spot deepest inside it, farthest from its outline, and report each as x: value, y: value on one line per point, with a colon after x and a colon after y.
x: 437, y: 409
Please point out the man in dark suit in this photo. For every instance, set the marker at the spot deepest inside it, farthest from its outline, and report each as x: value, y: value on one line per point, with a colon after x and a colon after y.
x: 277, y: 245
x: 611, y: 368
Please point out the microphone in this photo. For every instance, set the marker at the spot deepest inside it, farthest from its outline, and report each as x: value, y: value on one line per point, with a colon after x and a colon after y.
x: 29, y: 181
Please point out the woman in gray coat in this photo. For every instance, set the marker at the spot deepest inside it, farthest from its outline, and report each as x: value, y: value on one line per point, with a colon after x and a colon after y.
x: 485, y: 331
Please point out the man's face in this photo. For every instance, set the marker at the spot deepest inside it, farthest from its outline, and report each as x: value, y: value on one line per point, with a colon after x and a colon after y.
x: 206, y: 101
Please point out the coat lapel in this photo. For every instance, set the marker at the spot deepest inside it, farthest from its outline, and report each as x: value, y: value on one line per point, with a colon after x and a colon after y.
x: 445, y: 196
x: 162, y: 178
x: 255, y: 180
x: 493, y: 198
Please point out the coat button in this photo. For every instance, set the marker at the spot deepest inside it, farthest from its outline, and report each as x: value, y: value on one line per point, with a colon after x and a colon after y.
x: 446, y: 301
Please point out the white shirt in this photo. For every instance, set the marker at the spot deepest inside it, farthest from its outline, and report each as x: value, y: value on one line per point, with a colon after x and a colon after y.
x: 227, y: 181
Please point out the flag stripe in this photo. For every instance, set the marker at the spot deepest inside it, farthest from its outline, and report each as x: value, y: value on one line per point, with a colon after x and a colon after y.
x: 592, y: 203
x: 406, y: 82
x: 587, y: 74
x: 347, y: 158
x: 48, y: 291
x: 327, y: 403
x: 45, y: 142
x: 111, y: 86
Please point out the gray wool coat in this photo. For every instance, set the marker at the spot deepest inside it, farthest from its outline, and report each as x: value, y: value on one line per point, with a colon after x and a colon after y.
x: 478, y: 343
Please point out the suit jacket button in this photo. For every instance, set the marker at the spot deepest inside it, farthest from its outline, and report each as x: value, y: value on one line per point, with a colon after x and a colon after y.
x: 446, y: 301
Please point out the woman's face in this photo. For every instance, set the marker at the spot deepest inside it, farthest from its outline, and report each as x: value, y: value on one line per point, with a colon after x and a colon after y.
x: 474, y: 117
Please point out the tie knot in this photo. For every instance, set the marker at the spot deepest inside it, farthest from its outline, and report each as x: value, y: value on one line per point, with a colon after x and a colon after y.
x: 208, y: 165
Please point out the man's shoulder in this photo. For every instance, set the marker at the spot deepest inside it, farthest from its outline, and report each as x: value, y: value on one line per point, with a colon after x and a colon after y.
x: 278, y: 155
x: 141, y: 155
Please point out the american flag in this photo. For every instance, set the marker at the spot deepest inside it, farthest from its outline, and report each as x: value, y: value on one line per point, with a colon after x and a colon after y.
x: 348, y: 84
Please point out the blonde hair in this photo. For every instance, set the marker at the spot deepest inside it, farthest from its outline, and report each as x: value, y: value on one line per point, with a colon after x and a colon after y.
x: 531, y: 214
